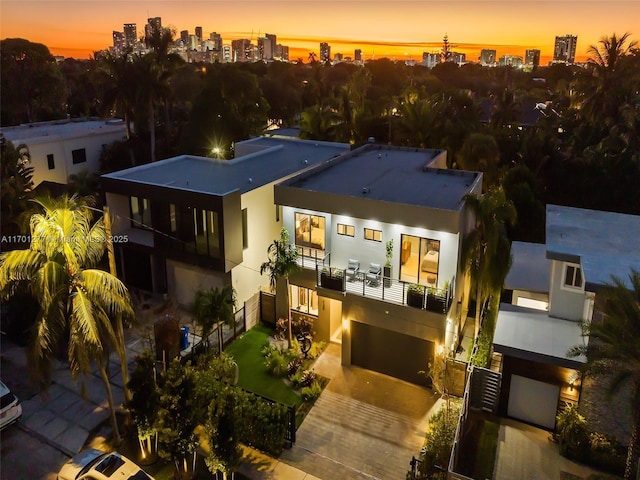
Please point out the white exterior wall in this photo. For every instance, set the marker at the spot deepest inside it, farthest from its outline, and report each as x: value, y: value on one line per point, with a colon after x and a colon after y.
x: 184, y: 280
x: 61, y: 149
x: 120, y: 212
x: 569, y: 304
x: 262, y: 230
x: 342, y: 247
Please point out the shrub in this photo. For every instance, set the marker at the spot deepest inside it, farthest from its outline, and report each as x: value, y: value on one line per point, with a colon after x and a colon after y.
x: 276, y: 363
x: 316, y: 349
x: 308, y: 376
x: 293, y: 366
x: 312, y: 392
x: 281, y: 329
x: 572, y: 433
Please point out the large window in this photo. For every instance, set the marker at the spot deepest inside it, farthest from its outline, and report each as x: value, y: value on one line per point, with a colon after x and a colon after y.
x: 419, y: 260
x: 572, y: 276
x: 140, y: 213
x: 50, y: 161
x: 304, y: 300
x: 310, y: 230
x: 79, y: 156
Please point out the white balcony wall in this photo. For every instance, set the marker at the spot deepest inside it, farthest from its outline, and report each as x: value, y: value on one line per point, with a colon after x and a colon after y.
x: 567, y: 303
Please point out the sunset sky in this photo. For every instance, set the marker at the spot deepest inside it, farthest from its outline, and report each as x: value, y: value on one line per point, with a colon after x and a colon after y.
x: 393, y: 28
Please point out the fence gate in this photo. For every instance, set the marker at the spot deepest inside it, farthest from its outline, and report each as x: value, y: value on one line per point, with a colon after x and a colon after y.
x: 268, y: 308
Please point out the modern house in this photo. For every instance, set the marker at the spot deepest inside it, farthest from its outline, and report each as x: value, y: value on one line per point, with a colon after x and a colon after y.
x: 62, y: 148
x: 189, y: 222
x: 392, y: 316
x: 584, y: 249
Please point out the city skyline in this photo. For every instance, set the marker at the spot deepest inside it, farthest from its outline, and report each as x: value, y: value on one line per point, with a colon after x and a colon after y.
x: 400, y: 29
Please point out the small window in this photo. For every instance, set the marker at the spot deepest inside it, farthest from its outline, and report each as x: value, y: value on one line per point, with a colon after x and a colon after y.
x: 277, y: 213
x: 140, y: 213
x: 348, y: 230
x: 50, y: 161
x: 172, y: 218
x: 371, y: 234
x: 245, y: 229
x: 573, y: 276
x: 79, y: 155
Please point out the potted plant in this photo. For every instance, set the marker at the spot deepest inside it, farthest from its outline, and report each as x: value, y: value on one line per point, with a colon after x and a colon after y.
x: 436, y: 300
x: 332, y: 278
x: 415, y: 295
x: 387, y: 266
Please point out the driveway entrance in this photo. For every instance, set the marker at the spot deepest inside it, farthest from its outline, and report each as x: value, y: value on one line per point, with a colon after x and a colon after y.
x: 365, y: 425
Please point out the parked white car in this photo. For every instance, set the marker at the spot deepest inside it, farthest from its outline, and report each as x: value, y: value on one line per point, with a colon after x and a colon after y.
x: 11, y: 410
x: 93, y: 464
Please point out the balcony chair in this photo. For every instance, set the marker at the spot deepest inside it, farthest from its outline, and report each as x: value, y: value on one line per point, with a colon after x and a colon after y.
x: 353, y: 267
x: 374, y: 274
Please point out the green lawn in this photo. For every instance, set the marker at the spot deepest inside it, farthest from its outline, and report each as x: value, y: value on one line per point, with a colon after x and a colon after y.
x: 486, y: 450
x: 247, y: 352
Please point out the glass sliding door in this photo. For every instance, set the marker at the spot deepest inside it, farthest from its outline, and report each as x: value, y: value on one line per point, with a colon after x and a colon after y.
x: 310, y: 231
x: 419, y: 260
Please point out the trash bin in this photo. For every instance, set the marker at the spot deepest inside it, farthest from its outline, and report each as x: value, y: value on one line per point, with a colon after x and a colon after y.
x: 184, y: 338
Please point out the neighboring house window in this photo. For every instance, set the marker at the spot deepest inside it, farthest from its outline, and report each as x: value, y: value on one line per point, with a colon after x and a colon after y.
x: 173, y: 221
x: 371, y: 234
x: 245, y: 229
x: 50, y: 161
x: 140, y: 213
x: 573, y: 276
x: 79, y: 155
x: 348, y: 230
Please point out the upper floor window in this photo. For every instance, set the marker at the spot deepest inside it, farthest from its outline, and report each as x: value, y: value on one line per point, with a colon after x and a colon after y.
x: 348, y: 230
x: 572, y: 276
x: 79, y: 155
x: 50, y: 161
x: 371, y: 234
x: 310, y: 230
x: 245, y: 229
x: 140, y: 213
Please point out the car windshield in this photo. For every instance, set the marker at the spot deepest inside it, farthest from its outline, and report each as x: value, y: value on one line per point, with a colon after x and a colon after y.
x: 6, y: 400
x: 89, y: 465
x: 109, y: 465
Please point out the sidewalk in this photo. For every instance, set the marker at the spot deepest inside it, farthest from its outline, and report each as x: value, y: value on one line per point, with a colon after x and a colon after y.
x: 258, y: 466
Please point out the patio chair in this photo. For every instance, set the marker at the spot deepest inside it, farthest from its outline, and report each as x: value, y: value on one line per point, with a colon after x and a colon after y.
x: 353, y: 267
x: 374, y: 274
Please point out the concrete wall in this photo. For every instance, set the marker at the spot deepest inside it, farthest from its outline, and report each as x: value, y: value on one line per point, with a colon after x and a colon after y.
x: 120, y: 211
x: 183, y: 280
x: 563, y: 302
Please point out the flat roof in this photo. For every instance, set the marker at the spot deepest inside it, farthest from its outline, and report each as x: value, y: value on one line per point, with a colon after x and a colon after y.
x: 604, y: 243
x: 534, y: 335
x: 530, y: 270
x: 271, y: 159
x: 45, y: 132
x: 391, y: 174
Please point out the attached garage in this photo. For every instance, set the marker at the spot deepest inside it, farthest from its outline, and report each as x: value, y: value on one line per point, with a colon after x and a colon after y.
x: 400, y: 356
x: 533, y: 401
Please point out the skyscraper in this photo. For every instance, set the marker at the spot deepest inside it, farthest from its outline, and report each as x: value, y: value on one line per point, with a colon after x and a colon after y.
x: 325, y: 52
x: 118, y: 42
x: 271, y: 40
x: 154, y: 24
x: 532, y: 58
x: 216, y: 38
x: 487, y: 57
x: 130, y: 34
x: 184, y: 38
x: 357, y: 55
x: 565, y: 49
x: 199, y: 34
x: 241, y: 50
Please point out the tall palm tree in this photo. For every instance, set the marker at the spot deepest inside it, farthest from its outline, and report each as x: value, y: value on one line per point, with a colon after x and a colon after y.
x: 77, y: 301
x: 214, y: 306
x: 115, y: 74
x: 282, y: 262
x: 613, y: 351
x: 486, y: 250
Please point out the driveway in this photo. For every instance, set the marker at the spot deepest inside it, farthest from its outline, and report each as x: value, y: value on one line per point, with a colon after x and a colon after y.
x: 527, y: 452
x: 365, y: 425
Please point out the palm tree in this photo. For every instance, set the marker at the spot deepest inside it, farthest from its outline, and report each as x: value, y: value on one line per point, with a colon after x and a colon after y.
x: 120, y: 86
x: 214, y: 306
x: 282, y: 262
x: 77, y: 301
x: 486, y: 250
x: 613, y: 351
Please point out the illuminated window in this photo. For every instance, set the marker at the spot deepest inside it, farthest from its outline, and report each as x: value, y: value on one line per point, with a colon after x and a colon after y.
x: 310, y: 230
x: 304, y: 300
x: 348, y: 230
x: 371, y: 234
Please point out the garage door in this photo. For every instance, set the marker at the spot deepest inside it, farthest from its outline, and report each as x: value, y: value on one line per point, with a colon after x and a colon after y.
x: 533, y: 401
x: 400, y: 356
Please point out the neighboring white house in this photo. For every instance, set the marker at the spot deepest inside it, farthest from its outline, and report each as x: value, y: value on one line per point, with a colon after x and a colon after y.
x: 583, y: 249
x: 62, y: 148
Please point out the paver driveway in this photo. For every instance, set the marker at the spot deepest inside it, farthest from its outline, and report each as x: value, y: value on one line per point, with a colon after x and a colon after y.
x: 365, y: 425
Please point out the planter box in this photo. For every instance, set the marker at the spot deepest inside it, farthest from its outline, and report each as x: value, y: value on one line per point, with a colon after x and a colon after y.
x: 332, y: 283
x: 436, y: 303
x: 386, y: 273
x: 415, y: 299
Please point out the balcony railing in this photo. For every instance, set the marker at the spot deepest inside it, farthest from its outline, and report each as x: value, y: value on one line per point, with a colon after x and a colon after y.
x: 385, y: 288
x: 312, y: 257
